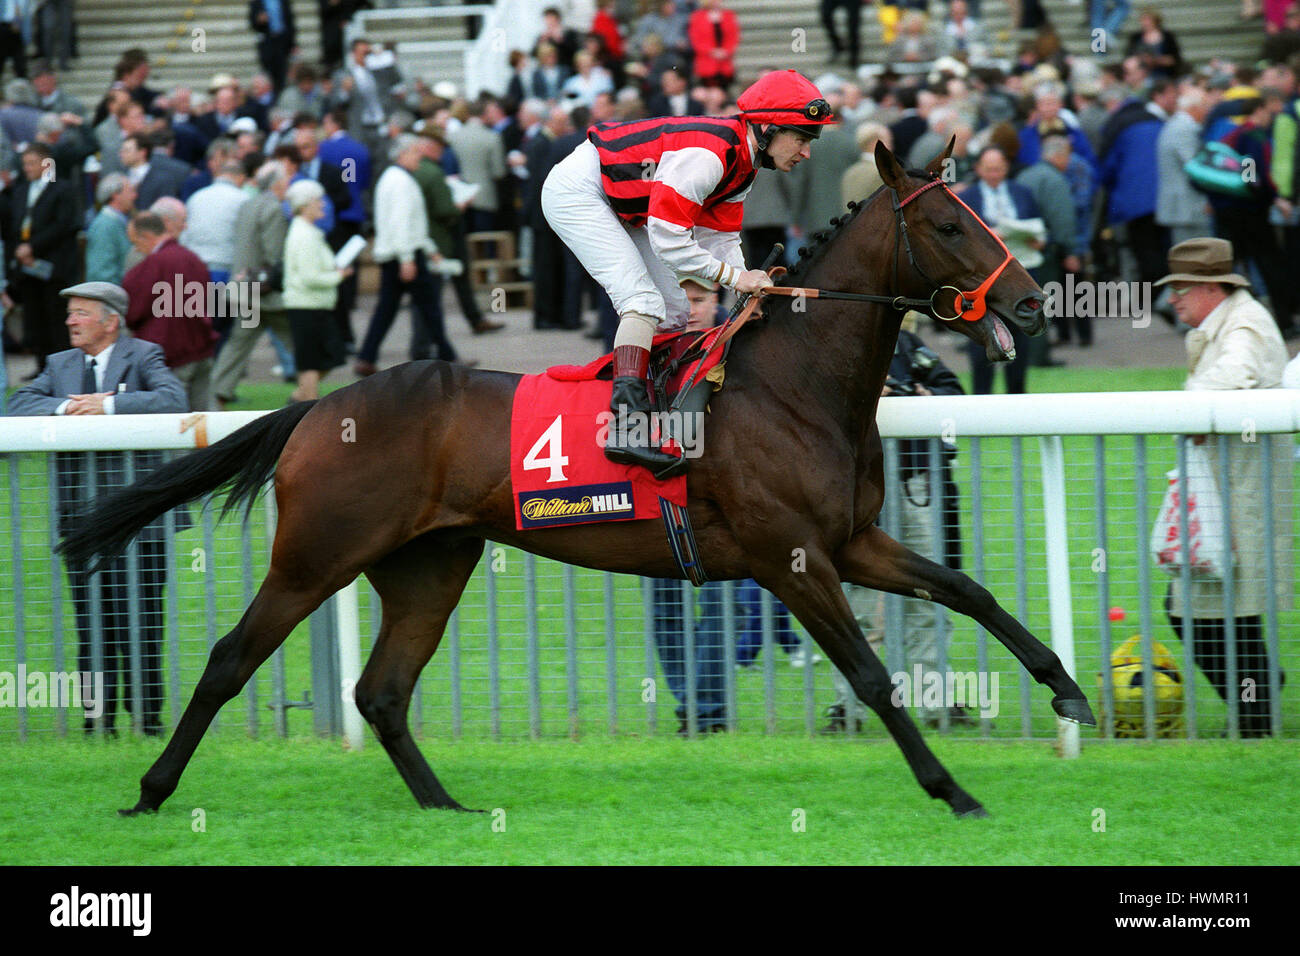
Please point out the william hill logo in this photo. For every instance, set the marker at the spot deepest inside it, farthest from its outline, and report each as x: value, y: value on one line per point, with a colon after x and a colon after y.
x: 579, y: 505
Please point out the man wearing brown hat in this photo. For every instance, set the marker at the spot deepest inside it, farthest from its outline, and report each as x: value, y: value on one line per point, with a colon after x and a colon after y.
x: 1237, y: 344
x: 105, y: 373
x: 1233, y: 344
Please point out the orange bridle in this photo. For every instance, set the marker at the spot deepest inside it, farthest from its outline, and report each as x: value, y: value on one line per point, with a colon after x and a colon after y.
x: 970, y: 306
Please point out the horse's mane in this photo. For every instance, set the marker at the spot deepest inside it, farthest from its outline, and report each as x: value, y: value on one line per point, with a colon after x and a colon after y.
x: 822, y: 239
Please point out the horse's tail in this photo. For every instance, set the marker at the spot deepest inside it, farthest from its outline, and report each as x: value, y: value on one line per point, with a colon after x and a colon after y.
x: 240, y: 463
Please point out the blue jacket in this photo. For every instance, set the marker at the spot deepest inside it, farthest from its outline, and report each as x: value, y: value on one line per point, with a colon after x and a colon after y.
x: 142, y: 384
x: 1255, y: 143
x: 191, y: 144
x: 199, y: 179
x: 354, y: 160
x: 1031, y: 146
x: 326, y: 221
x: 1128, y: 170
x: 1222, y: 120
x: 1023, y: 199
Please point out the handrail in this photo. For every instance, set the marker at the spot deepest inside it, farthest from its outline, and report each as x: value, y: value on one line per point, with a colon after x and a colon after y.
x: 1245, y: 412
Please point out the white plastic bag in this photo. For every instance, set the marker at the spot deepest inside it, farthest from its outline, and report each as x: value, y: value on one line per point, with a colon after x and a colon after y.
x: 1211, y: 554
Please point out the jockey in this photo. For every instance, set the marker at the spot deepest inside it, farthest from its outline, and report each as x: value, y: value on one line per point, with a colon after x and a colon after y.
x: 646, y: 203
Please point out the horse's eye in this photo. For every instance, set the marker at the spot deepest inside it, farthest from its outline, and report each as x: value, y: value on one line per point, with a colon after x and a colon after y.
x: 950, y: 229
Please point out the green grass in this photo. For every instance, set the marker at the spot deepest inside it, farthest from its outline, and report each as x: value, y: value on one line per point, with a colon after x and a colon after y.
x: 1068, y: 379
x: 1071, y: 379
x: 600, y: 801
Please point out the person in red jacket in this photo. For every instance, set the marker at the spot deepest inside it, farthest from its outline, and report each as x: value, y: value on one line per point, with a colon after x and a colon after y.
x: 605, y: 42
x: 605, y: 26
x: 714, y: 34
x: 171, y: 298
x: 647, y: 203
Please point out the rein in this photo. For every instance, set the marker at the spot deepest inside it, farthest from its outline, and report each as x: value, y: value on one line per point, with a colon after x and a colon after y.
x: 970, y: 306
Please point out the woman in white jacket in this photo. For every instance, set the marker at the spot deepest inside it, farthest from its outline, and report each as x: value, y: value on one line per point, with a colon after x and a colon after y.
x: 311, y: 282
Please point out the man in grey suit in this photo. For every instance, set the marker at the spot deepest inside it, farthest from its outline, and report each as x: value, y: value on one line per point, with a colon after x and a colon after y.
x: 153, y: 175
x: 356, y: 90
x: 1046, y: 181
x: 815, y: 187
x: 127, y: 117
x: 482, y: 158
x: 50, y: 97
x: 768, y: 211
x: 1179, y: 207
x: 106, y: 374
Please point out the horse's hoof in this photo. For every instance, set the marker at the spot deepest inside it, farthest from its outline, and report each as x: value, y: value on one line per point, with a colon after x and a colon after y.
x: 1074, y: 709
x: 136, y: 810
x: 973, y: 813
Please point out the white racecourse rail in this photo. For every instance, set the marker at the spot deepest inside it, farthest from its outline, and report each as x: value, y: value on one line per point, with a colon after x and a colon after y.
x: 1047, y: 417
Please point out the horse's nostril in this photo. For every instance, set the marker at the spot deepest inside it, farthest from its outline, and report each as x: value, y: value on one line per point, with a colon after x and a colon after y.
x: 1029, y: 306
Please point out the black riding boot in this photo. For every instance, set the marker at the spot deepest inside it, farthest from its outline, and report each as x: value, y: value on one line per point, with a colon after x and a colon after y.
x: 631, y: 396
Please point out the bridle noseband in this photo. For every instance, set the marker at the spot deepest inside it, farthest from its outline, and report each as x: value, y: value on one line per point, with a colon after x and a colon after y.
x: 970, y: 306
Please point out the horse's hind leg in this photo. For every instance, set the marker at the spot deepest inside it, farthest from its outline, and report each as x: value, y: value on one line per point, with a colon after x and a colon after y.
x: 275, y: 611
x: 815, y: 598
x: 420, y: 585
x: 874, y: 559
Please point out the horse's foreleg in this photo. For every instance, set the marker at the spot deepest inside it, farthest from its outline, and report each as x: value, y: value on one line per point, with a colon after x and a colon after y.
x: 815, y: 598
x: 275, y: 611
x: 420, y: 585
x: 874, y: 559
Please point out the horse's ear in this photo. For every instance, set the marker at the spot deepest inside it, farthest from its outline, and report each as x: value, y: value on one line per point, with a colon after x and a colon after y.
x: 936, y: 165
x: 891, y: 173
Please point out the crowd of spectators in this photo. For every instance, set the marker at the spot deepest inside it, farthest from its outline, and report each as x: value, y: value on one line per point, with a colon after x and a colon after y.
x: 1090, y: 148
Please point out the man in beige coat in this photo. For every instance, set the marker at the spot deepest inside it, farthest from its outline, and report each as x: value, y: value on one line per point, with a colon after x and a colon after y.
x: 1234, y: 344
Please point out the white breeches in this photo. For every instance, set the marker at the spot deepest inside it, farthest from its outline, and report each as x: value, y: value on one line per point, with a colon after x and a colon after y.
x: 616, y: 255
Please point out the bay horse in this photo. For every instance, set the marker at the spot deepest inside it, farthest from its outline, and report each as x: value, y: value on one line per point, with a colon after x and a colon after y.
x: 425, y: 480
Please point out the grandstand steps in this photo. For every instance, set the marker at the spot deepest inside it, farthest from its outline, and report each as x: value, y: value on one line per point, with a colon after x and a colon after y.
x: 165, y: 30
x: 1205, y: 28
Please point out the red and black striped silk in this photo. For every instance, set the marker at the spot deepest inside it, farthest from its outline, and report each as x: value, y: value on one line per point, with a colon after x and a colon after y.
x: 630, y: 153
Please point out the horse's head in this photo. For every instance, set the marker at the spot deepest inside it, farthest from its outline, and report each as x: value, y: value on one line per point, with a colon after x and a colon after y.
x: 951, y: 248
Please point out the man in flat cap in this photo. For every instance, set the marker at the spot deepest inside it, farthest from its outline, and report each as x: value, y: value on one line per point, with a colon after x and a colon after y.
x: 1233, y: 344
x: 105, y: 373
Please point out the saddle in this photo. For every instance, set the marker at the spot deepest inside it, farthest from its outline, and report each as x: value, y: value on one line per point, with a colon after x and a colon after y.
x: 684, y: 370
x: 670, y: 355
x: 683, y: 373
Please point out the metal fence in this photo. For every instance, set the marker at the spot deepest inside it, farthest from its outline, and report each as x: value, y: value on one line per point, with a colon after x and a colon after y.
x: 539, y: 649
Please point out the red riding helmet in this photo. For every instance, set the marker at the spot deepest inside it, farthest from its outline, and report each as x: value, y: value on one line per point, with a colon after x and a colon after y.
x: 788, y: 100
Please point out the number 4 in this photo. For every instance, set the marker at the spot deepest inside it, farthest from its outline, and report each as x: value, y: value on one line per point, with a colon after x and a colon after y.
x: 556, y: 460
